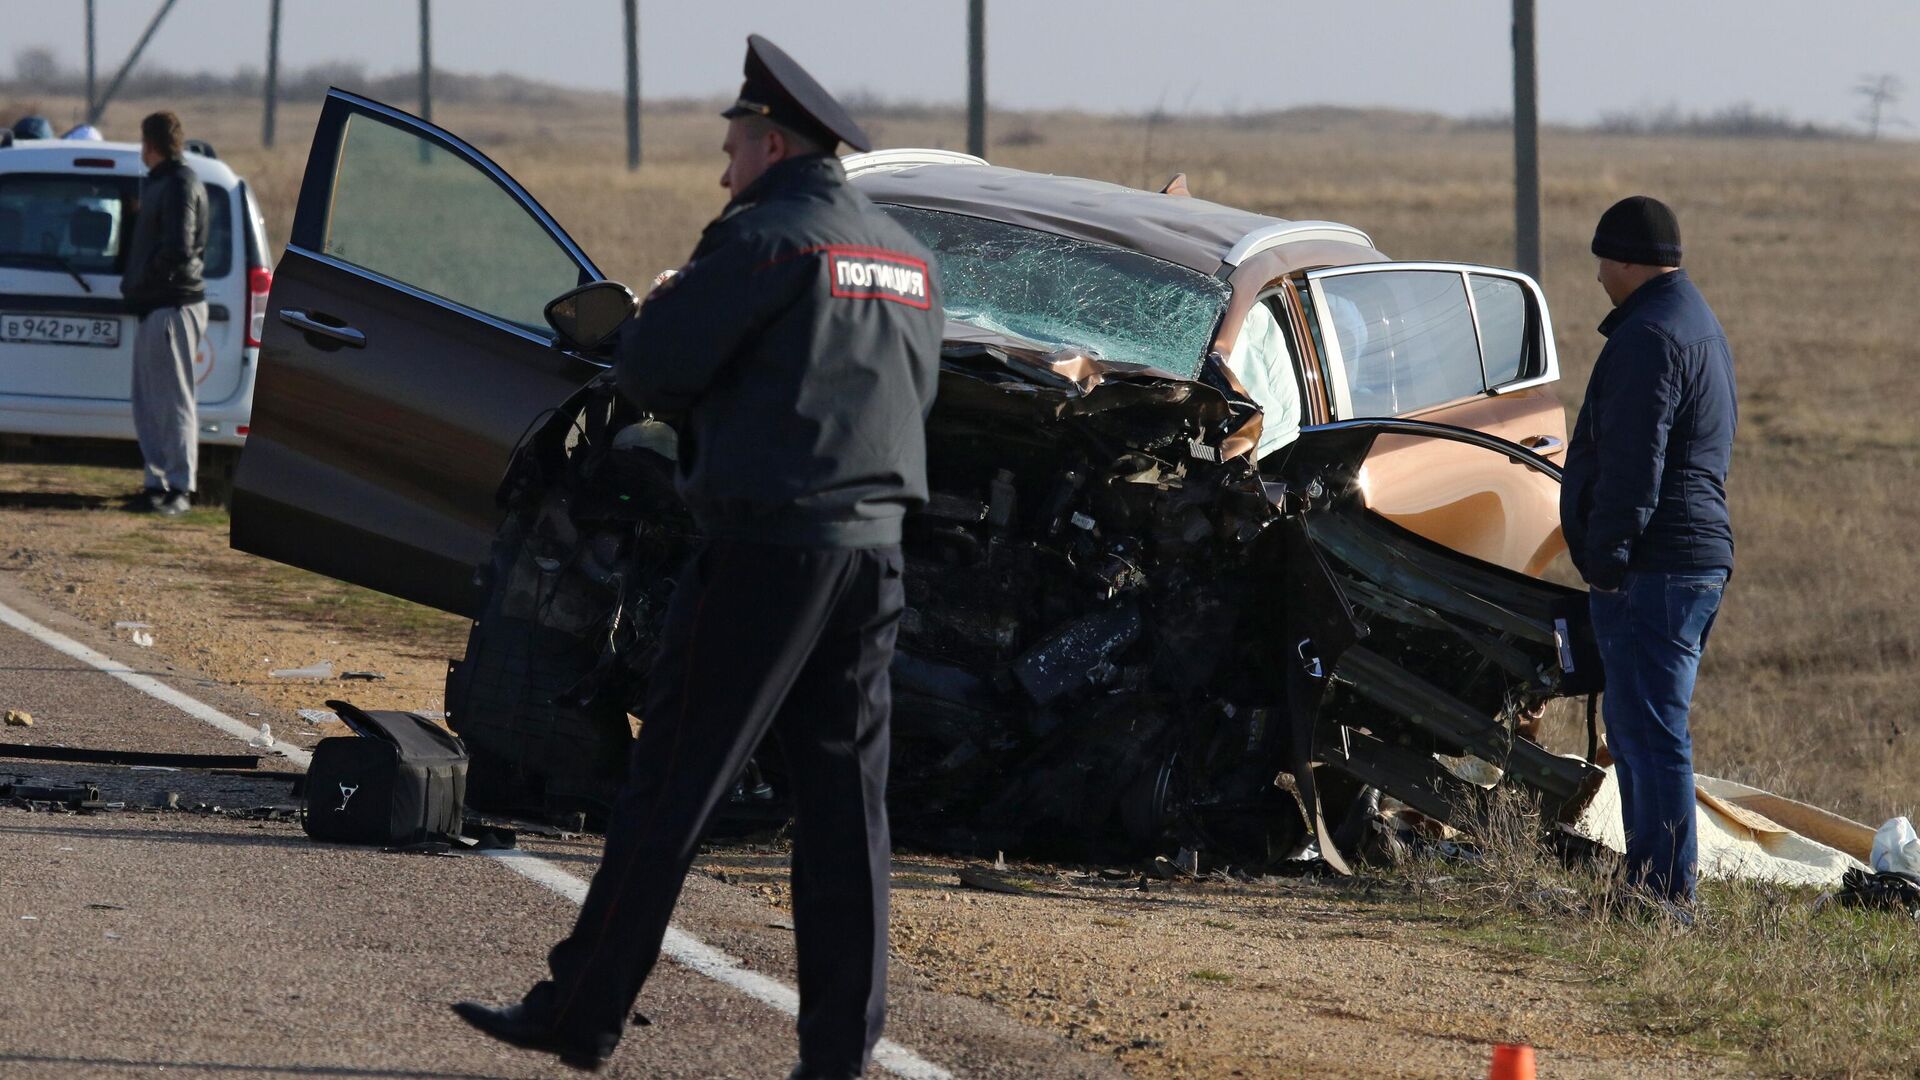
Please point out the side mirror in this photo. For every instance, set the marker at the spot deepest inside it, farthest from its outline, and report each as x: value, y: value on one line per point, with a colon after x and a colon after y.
x: 588, y: 317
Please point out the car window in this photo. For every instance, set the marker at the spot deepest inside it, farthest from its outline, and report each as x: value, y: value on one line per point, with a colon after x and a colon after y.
x: 1501, y: 307
x: 1406, y: 337
x: 1118, y: 305
x: 88, y: 222
x: 408, y: 209
x: 1262, y: 362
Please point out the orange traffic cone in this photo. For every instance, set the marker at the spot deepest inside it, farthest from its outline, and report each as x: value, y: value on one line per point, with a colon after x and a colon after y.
x: 1512, y: 1061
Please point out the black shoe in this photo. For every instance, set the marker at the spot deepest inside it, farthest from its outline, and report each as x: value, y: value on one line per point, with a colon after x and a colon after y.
x: 802, y: 1072
x: 145, y: 501
x: 515, y: 1026
x: 173, y: 504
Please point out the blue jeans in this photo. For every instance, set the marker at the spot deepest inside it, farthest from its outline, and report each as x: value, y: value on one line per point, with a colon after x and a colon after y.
x: 1651, y: 634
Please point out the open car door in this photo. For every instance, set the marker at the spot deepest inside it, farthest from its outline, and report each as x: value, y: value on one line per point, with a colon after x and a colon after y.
x: 405, y: 355
x: 1454, y: 344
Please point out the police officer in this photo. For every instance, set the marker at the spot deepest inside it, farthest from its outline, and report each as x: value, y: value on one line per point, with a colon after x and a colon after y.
x: 800, y: 348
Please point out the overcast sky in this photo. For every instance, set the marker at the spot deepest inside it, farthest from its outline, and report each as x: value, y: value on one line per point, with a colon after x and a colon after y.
x: 1450, y: 56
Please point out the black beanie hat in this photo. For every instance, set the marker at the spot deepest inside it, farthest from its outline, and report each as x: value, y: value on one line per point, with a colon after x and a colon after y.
x: 1638, y: 229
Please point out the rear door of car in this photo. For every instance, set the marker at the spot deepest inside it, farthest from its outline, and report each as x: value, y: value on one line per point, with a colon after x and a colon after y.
x: 404, y: 356
x: 1447, y: 343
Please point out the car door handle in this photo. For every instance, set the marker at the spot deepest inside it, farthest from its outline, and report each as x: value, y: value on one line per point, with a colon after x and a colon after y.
x: 306, y: 323
x: 1542, y: 444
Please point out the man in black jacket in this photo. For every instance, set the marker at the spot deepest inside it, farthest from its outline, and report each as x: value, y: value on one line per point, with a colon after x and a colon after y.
x: 163, y: 287
x: 1643, y: 505
x: 798, y: 351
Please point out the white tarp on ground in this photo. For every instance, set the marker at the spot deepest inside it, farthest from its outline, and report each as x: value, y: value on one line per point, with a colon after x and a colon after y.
x: 1748, y: 834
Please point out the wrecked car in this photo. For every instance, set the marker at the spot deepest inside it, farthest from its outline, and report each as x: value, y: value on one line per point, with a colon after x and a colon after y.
x: 1235, y: 522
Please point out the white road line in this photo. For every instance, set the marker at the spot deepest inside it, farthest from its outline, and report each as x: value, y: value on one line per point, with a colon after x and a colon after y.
x: 146, y: 684
x: 696, y: 955
x: 681, y: 947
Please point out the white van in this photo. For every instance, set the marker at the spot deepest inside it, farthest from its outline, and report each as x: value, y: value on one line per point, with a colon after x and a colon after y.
x: 66, y: 336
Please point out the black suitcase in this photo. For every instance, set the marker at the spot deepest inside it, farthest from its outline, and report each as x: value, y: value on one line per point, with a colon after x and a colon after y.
x: 401, y: 779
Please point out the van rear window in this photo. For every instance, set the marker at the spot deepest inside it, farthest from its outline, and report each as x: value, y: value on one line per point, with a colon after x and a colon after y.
x: 87, y: 222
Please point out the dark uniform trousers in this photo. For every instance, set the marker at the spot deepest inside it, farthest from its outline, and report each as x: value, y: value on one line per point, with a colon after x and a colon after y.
x: 757, y: 636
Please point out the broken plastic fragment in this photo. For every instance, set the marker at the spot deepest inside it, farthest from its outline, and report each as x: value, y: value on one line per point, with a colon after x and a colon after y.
x: 129, y: 624
x: 263, y: 740
x: 320, y: 670
x: 143, y: 639
x: 318, y: 716
x: 19, y: 718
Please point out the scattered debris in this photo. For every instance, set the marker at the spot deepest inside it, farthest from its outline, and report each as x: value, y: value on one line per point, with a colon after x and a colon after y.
x: 88, y: 755
x: 317, y: 716
x: 107, y: 907
x: 780, y: 924
x: 1896, y: 847
x: 320, y: 670
x: 19, y: 718
x: 129, y: 624
x: 264, y: 739
x: 73, y: 798
x: 1890, y: 890
x: 980, y: 879
x: 366, y: 676
x: 143, y: 639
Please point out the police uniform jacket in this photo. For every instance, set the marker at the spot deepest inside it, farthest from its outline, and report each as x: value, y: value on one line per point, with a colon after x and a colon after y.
x: 801, y: 344
x: 1645, y: 487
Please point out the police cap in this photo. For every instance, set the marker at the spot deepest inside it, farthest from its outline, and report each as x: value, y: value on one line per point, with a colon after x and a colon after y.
x: 780, y: 90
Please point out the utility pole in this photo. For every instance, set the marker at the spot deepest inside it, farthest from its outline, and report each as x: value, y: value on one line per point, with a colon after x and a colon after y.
x: 426, y: 62
x: 1526, y: 142
x: 633, y: 84
x: 90, y: 47
x: 273, y: 73
x: 977, y: 77
x: 100, y: 104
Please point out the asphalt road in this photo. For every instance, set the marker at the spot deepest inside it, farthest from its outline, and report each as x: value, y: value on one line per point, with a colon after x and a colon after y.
x: 141, y: 940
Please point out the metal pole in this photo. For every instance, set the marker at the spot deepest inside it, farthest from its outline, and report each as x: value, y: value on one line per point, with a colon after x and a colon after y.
x: 90, y: 51
x: 426, y: 61
x: 1526, y: 141
x: 977, y: 77
x: 100, y: 105
x: 273, y: 73
x: 633, y: 84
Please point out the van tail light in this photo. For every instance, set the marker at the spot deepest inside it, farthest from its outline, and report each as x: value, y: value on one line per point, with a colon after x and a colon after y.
x: 259, y: 283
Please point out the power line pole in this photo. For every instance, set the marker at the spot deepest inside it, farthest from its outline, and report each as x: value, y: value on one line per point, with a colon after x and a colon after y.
x: 90, y: 47
x: 977, y: 77
x: 426, y: 62
x: 273, y: 73
x: 1526, y: 142
x: 100, y: 104
x: 633, y: 84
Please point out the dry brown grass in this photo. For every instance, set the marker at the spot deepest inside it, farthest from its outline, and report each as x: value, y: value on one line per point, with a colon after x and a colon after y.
x: 1767, y: 973
x: 1803, y: 246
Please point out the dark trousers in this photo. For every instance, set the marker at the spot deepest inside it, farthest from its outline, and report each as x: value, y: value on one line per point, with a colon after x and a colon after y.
x: 1652, y: 632
x: 757, y: 637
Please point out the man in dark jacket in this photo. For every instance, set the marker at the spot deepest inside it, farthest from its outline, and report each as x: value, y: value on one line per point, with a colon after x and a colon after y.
x: 1644, y: 508
x: 798, y: 351
x: 163, y: 287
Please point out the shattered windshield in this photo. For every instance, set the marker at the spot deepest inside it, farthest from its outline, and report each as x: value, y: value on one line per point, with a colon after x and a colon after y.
x: 1117, y: 305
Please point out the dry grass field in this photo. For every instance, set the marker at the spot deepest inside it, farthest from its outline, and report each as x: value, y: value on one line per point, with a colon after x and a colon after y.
x: 1803, y: 246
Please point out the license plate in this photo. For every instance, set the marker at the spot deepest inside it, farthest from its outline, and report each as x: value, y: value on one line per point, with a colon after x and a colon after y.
x: 59, y: 330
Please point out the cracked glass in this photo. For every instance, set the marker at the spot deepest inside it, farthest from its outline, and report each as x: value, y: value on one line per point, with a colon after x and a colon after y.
x: 1113, y: 304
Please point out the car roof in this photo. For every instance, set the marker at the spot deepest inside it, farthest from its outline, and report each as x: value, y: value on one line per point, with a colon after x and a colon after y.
x: 59, y: 155
x: 1196, y: 233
